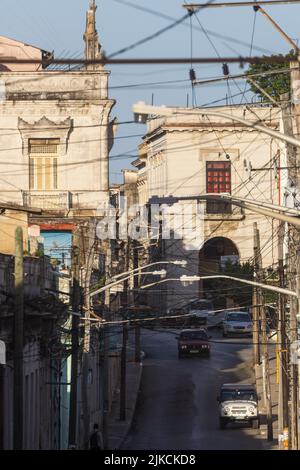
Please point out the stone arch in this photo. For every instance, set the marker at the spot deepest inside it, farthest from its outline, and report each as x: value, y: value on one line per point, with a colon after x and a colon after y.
x: 212, y: 256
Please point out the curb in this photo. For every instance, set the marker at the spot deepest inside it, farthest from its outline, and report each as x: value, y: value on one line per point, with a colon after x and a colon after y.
x: 130, y: 421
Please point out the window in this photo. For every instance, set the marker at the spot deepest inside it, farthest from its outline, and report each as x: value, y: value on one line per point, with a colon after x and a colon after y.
x: 218, y: 180
x: 43, y: 154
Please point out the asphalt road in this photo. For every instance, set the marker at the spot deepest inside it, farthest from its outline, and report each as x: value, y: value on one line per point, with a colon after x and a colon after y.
x: 177, y: 407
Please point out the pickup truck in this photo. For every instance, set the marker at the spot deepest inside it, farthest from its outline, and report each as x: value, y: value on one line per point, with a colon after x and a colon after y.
x: 238, y: 403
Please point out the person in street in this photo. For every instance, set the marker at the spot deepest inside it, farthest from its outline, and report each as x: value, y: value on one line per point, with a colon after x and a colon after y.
x: 96, y: 439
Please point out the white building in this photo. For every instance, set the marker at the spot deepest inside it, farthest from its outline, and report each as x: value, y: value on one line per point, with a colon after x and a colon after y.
x: 55, y: 132
x: 185, y: 156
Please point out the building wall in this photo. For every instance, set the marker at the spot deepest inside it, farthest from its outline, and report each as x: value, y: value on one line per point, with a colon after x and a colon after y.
x: 16, y: 49
x: 72, y: 106
x: 9, y: 221
x: 177, y: 151
x: 38, y: 400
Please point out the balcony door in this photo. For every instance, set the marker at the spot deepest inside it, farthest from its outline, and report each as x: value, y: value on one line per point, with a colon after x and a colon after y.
x: 43, y: 159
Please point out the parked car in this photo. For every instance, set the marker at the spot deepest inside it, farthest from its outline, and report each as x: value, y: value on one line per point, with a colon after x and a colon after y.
x: 199, y: 310
x: 193, y: 342
x: 175, y: 318
x: 238, y: 403
x: 140, y: 315
x: 237, y: 322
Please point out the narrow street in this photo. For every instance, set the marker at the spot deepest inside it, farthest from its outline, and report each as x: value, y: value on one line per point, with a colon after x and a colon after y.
x: 177, y: 407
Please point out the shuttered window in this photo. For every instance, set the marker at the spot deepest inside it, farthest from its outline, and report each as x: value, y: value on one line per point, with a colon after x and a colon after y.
x: 43, y: 155
x: 218, y: 180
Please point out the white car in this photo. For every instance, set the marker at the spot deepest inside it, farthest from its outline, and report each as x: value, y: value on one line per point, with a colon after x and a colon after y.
x: 237, y: 323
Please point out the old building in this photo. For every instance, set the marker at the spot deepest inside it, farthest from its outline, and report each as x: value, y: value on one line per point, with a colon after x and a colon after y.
x: 44, y: 353
x: 55, y: 133
x: 185, y: 156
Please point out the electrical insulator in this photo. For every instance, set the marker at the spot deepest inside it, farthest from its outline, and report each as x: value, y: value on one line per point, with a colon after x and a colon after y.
x: 192, y: 75
x: 225, y: 69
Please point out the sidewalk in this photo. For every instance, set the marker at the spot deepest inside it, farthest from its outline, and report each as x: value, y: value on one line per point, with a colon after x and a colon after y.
x: 118, y: 430
x: 274, y: 396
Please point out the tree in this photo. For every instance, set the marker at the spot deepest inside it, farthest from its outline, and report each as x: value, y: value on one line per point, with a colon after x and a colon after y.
x: 274, y: 84
x: 222, y: 289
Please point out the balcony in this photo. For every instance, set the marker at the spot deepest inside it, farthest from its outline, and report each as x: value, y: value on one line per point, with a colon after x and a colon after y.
x: 54, y: 201
x: 220, y: 210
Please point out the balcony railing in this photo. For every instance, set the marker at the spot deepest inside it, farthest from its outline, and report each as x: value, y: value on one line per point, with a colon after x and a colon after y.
x: 223, y: 210
x: 48, y: 200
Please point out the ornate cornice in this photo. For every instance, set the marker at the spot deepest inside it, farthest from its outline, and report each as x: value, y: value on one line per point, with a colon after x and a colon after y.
x: 44, y: 128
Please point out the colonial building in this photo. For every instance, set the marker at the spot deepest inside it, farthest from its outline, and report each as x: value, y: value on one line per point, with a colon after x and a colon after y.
x: 185, y: 156
x: 55, y: 132
x: 55, y: 137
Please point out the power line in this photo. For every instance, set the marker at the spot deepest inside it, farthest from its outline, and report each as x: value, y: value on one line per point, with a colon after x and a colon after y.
x: 170, y: 18
x: 197, y: 6
x: 151, y: 37
x: 242, y: 60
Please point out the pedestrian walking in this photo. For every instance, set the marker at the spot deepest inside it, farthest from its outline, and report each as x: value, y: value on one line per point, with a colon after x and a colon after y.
x: 96, y: 439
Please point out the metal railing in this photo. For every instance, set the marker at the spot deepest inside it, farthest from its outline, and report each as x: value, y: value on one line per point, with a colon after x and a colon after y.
x: 47, y: 200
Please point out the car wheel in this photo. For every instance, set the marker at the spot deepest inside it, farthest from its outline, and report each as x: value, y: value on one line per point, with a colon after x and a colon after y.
x: 224, y: 334
x: 223, y: 423
x: 255, y: 423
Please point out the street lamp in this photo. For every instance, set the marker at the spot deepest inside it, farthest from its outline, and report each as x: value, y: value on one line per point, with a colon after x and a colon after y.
x: 142, y: 111
x: 162, y: 273
x: 176, y: 262
x: 187, y: 280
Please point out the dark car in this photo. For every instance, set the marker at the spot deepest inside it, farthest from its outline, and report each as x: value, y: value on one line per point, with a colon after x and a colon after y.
x: 193, y: 342
x: 140, y: 315
x: 199, y: 310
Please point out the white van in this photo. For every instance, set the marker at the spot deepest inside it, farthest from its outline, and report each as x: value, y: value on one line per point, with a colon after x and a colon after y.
x: 200, y: 309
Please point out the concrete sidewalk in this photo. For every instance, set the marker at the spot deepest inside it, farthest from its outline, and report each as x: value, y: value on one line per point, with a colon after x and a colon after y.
x: 118, y: 430
x: 273, y: 445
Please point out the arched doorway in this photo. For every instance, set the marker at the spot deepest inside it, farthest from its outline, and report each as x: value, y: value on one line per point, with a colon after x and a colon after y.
x: 213, y: 257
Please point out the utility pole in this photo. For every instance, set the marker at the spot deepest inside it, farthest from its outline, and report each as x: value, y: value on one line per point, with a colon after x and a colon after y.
x: 106, y: 348
x: 255, y: 301
x: 123, y: 374
x: 265, y: 354
x: 123, y: 378
x: 293, y: 272
x: 76, y: 309
x: 2, y: 375
x: 137, y: 329
x: 88, y: 237
x: 18, y: 341
x: 266, y: 372
x: 283, y: 410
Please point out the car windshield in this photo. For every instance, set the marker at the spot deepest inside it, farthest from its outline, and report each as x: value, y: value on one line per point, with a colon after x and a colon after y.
x: 202, y: 305
x: 190, y: 335
x: 244, y: 317
x: 228, y: 395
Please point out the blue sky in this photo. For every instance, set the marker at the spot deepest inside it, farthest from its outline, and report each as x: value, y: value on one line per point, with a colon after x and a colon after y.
x: 59, y: 25
x: 56, y: 243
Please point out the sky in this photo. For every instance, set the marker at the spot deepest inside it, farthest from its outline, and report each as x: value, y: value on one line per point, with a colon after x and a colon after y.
x: 57, y: 245
x: 59, y: 25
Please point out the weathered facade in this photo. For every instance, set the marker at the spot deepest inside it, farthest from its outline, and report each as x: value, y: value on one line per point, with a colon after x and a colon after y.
x: 186, y: 156
x: 43, y: 355
x: 55, y: 137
